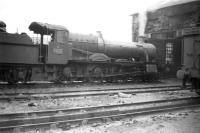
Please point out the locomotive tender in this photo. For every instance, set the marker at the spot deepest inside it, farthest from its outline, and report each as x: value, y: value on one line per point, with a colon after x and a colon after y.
x: 68, y: 56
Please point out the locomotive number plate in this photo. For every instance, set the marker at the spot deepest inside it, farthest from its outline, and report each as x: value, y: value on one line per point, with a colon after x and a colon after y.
x: 58, y: 51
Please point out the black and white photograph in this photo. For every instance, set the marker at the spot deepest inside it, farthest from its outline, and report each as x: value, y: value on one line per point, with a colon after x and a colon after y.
x: 99, y: 66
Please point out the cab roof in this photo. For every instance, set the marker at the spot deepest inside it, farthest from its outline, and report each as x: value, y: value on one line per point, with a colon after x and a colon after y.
x: 45, y: 28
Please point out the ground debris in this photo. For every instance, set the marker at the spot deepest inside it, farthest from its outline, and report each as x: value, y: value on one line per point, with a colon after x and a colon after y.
x: 183, y: 114
x: 32, y: 104
x: 124, y: 95
x: 96, y: 124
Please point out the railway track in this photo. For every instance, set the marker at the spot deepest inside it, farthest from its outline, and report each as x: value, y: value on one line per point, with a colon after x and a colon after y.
x: 91, y: 92
x: 87, y: 90
x: 67, y: 118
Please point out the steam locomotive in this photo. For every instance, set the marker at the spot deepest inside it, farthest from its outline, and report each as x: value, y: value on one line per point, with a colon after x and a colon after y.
x: 58, y: 55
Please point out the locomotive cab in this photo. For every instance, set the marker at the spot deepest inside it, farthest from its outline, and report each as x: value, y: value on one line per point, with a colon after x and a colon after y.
x: 57, y: 47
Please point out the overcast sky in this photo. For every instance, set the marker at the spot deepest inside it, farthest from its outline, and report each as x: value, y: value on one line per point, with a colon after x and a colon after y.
x: 112, y: 17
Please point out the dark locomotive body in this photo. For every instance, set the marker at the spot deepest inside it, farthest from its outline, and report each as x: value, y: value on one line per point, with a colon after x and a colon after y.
x: 69, y: 56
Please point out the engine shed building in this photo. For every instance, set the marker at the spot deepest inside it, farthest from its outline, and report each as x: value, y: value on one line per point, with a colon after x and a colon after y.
x: 163, y: 28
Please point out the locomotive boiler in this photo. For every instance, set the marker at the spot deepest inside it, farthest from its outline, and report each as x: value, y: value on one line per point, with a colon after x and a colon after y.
x: 119, y: 50
x: 58, y: 55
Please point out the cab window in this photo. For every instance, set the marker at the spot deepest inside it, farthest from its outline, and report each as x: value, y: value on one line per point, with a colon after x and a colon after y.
x: 61, y: 36
x: 46, y: 39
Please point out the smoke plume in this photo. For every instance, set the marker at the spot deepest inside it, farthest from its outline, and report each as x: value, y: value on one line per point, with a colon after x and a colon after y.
x: 142, y: 22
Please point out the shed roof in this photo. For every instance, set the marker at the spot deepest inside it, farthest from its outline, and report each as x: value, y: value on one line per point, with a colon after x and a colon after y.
x: 45, y: 28
x: 168, y: 3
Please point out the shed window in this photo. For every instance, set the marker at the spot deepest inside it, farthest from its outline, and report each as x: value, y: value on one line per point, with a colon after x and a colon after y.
x: 169, y: 53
